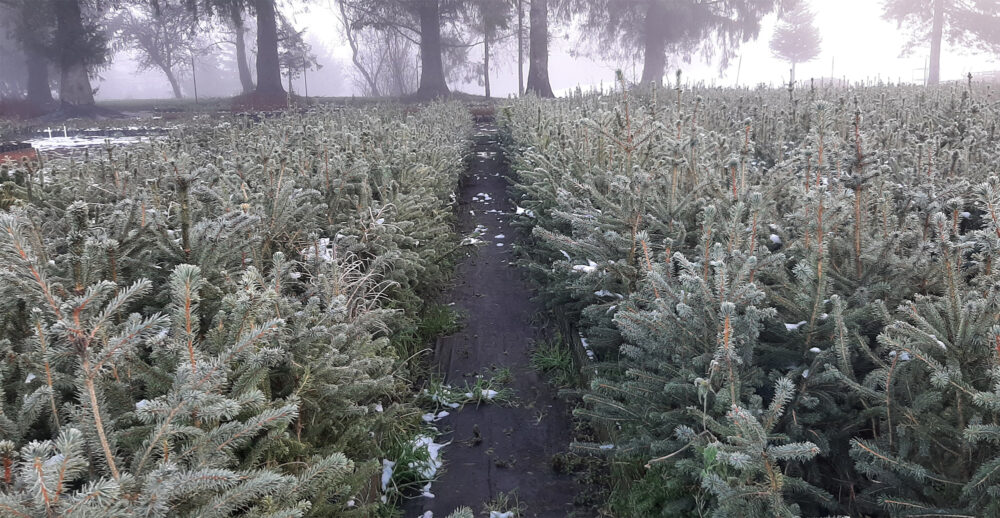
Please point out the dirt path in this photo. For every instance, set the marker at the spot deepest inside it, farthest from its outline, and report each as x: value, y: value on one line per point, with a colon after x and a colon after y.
x: 518, y: 440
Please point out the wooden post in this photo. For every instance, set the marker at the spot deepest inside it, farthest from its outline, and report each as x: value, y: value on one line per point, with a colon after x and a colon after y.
x: 486, y: 54
x: 194, y: 79
x: 520, y: 47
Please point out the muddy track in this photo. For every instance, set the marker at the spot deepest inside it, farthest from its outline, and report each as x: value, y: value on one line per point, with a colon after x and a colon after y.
x: 496, y: 448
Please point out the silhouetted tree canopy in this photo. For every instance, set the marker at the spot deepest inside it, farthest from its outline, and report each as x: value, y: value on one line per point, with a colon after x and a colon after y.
x: 796, y: 39
x: 967, y: 23
x: 655, y: 29
x: 421, y: 22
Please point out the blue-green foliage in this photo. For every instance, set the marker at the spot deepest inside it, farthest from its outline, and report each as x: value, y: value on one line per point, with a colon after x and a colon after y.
x: 200, y: 326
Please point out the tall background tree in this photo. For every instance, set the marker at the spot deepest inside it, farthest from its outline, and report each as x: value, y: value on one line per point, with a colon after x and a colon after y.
x: 164, y: 37
x: 385, y: 62
x: 268, y: 61
x: 655, y: 28
x: 959, y: 22
x: 29, y: 27
x: 796, y: 39
x: 538, y: 49
x: 433, y: 25
x: 491, y: 21
x: 238, y: 25
x: 79, y: 46
x: 294, y: 53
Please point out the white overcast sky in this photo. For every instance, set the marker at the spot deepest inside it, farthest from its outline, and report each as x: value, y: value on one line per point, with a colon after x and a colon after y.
x: 857, y: 43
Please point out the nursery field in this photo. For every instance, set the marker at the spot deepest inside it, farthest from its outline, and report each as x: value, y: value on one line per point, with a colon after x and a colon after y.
x: 682, y: 302
x: 788, y: 299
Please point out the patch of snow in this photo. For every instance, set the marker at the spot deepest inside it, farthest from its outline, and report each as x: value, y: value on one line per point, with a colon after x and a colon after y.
x: 428, y: 469
x: 965, y: 215
x: 499, y: 236
x: 805, y: 373
x: 31, y: 377
x: 521, y: 211
x: 66, y: 142
x: 775, y: 239
x: 143, y: 403
x: 432, y: 417
x: 387, y: 467
x: 498, y: 514
x: 487, y: 394
x: 379, y: 408
x: 607, y: 446
x: 590, y: 267
x: 815, y: 350
x: 793, y: 327
x: 499, y: 244
x: 586, y: 348
x: 323, y: 249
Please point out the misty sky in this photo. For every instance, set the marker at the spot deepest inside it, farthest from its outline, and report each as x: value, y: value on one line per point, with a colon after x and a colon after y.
x: 857, y: 42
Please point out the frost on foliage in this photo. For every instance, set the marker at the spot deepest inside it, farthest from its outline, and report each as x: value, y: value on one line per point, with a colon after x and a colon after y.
x: 166, y: 256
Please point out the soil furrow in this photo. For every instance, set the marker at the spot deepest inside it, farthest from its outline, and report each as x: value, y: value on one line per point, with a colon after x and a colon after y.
x: 496, y: 448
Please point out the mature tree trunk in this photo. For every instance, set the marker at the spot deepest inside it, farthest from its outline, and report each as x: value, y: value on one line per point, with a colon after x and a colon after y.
x: 655, y: 46
x: 486, y: 57
x: 39, y: 91
x: 174, y: 84
x: 432, y: 81
x: 538, y: 51
x: 74, y: 82
x: 246, y: 80
x: 937, y: 29
x: 268, y: 65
